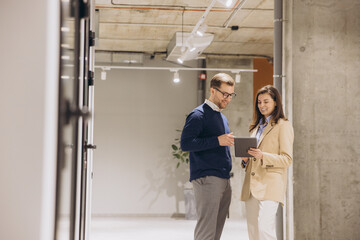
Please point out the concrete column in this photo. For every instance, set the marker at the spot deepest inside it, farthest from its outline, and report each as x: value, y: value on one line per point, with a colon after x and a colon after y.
x: 322, y: 56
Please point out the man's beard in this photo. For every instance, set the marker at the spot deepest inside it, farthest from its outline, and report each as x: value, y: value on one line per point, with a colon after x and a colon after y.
x: 223, y: 104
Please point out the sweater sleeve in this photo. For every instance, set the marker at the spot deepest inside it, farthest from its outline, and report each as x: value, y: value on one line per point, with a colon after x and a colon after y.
x: 190, y: 137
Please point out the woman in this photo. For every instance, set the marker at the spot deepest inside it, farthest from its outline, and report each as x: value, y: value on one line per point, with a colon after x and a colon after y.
x: 266, y: 172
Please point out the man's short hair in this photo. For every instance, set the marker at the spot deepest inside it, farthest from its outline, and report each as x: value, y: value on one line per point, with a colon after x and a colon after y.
x: 220, y: 78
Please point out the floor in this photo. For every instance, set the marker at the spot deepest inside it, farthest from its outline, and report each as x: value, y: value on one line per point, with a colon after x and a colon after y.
x: 158, y: 228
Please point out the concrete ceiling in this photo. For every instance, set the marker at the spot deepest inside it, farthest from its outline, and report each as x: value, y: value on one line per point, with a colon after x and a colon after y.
x: 149, y: 25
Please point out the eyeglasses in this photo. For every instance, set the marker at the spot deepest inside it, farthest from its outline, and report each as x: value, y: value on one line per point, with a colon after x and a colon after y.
x: 226, y: 95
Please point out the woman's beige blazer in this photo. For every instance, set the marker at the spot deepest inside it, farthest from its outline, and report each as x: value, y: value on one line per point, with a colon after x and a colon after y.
x: 266, y: 179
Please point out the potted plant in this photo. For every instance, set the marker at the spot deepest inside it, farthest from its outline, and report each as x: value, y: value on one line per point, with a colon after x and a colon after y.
x: 183, y: 158
x: 178, y: 154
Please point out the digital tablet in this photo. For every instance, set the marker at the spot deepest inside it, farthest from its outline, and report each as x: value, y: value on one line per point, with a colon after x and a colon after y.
x: 243, y: 144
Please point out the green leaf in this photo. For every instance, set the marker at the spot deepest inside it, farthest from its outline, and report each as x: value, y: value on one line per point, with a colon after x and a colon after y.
x: 186, y: 154
x: 178, y: 164
x: 178, y: 130
x: 174, y: 147
x: 177, y: 155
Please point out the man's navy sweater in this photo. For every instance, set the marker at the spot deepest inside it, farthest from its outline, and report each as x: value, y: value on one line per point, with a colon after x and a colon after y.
x: 200, y: 138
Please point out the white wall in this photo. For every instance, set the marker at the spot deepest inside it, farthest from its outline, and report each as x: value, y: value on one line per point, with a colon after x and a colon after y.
x: 136, y: 115
x: 28, y: 103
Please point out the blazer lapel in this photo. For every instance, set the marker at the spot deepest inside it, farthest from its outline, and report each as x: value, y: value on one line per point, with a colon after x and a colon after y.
x: 266, y: 131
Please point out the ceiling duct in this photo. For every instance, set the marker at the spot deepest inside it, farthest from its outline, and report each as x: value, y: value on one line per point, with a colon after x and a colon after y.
x: 187, y: 46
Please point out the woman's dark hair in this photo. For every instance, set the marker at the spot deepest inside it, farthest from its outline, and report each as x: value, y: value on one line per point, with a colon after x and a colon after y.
x: 276, y: 114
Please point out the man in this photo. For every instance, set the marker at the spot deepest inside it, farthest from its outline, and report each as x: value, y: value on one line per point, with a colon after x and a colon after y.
x: 207, y: 137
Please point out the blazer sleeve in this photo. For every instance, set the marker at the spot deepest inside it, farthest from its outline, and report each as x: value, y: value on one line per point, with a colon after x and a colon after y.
x: 285, y: 156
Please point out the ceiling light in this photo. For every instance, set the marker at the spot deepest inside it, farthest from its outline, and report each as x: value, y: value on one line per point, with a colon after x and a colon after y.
x: 237, y: 78
x: 182, y: 46
x: 201, y: 30
x: 180, y: 61
x: 227, y: 3
x: 176, y: 77
x: 103, y: 75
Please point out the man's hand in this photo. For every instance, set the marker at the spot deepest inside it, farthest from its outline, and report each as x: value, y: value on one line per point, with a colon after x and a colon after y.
x: 226, y: 139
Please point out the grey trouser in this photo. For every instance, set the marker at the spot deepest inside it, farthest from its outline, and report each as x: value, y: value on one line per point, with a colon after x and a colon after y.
x: 212, y: 197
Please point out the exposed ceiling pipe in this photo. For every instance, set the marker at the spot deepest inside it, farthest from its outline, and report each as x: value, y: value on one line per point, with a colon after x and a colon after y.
x: 233, y: 70
x: 202, y: 19
x: 278, y: 20
x: 278, y: 29
x: 162, y: 9
x: 178, y: 8
x: 160, y: 25
x: 166, y: 7
x: 269, y: 58
x: 241, y: 4
x: 176, y: 25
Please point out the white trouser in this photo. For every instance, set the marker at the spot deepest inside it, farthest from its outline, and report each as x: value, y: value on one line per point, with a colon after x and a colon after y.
x: 261, y: 219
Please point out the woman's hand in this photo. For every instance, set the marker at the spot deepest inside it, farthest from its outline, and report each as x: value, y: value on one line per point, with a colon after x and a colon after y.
x: 255, y: 152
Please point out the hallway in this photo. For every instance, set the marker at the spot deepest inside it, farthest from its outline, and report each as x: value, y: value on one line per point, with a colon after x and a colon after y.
x: 95, y: 93
x: 157, y: 228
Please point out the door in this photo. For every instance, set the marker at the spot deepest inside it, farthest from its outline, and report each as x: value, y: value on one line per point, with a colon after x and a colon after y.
x: 72, y: 191
x: 87, y: 54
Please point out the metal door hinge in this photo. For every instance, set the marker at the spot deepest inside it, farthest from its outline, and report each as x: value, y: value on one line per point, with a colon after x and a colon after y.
x: 91, y: 78
x: 92, y: 38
